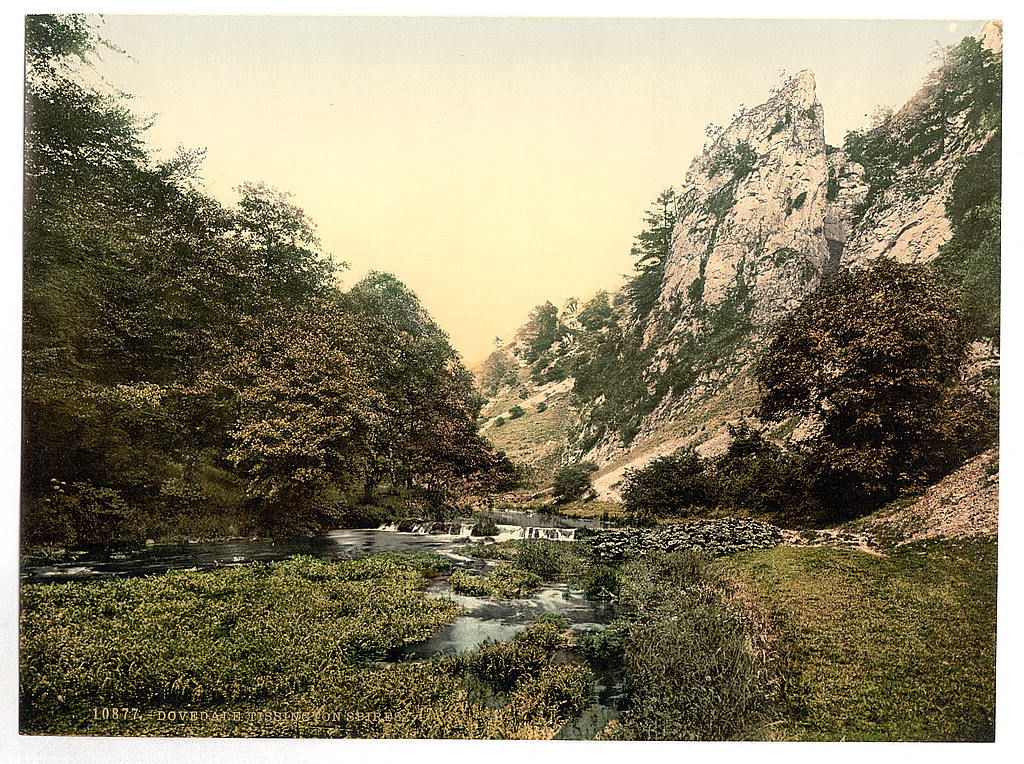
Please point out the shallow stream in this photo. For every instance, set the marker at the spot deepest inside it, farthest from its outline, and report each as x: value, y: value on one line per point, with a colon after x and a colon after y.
x: 482, y: 618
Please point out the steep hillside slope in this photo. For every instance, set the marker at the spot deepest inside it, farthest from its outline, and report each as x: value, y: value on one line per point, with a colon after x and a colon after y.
x: 765, y: 213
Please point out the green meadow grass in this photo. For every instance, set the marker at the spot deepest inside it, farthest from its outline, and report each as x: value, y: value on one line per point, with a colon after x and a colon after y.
x: 898, y: 648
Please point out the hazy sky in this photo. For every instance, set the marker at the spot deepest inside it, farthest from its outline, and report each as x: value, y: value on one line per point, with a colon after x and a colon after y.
x: 491, y: 164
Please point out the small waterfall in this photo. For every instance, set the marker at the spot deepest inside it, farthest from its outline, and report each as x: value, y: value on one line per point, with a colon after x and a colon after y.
x: 505, y: 532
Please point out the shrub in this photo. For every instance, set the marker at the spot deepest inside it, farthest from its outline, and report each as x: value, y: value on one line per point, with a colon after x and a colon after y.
x: 505, y: 582
x: 485, y: 526
x: 572, y: 482
x: 515, y: 412
x: 606, y: 647
x: 557, y: 693
x: 601, y: 582
x: 504, y: 664
x: 542, y: 406
x: 499, y: 422
x: 82, y: 514
x: 669, y: 485
x: 690, y: 673
x: 547, y: 631
x: 756, y: 475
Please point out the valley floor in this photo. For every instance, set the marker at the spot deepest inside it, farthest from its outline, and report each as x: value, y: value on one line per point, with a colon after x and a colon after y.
x: 845, y: 645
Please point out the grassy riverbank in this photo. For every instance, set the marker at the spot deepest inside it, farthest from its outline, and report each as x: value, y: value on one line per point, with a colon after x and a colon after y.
x: 297, y: 648
x: 898, y: 648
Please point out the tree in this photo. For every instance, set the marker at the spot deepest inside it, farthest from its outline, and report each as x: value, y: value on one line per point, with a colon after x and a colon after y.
x: 497, y: 370
x: 304, y: 409
x: 670, y: 485
x: 572, y: 482
x: 875, y: 355
x: 596, y: 313
x: 540, y: 331
x: 970, y: 261
x: 650, y: 249
x: 756, y: 475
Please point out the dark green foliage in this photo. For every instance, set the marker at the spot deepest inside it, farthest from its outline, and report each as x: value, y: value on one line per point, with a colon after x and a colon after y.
x: 540, y: 332
x: 691, y: 675
x: 499, y: 422
x: 720, y: 202
x: 967, y: 87
x: 596, y: 313
x: 970, y: 260
x: 781, y: 125
x: 669, y: 485
x: 739, y: 161
x: 757, y: 476
x: 650, y: 250
x: 796, y: 202
x: 82, y: 515
x: 485, y: 526
x: 606, y: 647
x: 832, y: 193
x: 601, y: 582
x: 168, y: 338
x: 542, y: 406
x: 515, y: 412
x: 572, y: 482
x: 875, y: 354
x: 695, y: 292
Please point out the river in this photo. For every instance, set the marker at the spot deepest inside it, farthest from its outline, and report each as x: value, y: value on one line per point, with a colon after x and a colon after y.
x: 482, y: 618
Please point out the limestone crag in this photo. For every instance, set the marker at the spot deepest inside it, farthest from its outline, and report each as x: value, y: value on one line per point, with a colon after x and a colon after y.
x: 907, y: 222
x: 752, y: 222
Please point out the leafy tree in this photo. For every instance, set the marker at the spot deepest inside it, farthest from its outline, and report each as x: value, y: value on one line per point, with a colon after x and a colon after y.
x: 970, y: 260
x: 676, y: 484
x: 540, y: 331
x: 304, y: 409
x: 595, y: 314
x: 756, y: 475
x: 497, y: 370
x: 573, y: 482
x: 876, y: 355
x: 411, y: 361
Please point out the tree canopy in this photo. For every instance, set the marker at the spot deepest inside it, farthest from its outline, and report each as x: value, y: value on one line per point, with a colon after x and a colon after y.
x: 183, y: 358
x: 875, y: 355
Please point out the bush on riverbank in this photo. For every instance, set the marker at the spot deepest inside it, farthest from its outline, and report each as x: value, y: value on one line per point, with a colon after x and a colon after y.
x: 506, y: 582
x: 569, y: 562
x: 689, y: 670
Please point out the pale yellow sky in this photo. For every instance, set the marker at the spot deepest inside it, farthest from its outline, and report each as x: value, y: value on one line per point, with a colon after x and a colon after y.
x: 491, y: 164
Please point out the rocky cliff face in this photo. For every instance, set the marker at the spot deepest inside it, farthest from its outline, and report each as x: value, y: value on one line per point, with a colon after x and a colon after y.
x: 907, y: 222
x: 764, y: 213
x: 765, y: 210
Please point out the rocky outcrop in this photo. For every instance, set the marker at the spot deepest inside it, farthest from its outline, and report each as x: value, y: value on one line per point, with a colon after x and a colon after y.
x: 766, y: 211
x: 907, y: 222
x: 756, y: 208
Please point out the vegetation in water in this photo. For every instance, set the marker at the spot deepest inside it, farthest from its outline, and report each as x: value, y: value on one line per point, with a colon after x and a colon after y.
x: 291, y: 649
